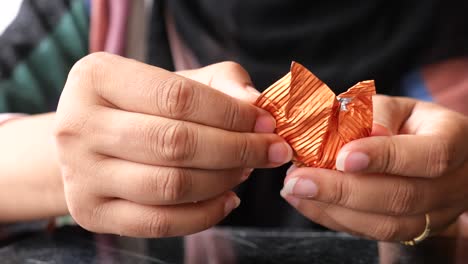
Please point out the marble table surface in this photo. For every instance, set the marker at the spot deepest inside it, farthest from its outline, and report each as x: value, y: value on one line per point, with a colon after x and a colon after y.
x: 72, y: 245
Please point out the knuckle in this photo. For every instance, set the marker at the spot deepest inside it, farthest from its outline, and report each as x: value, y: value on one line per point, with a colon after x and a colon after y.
x: 176, y: 142
x: 387, y: 230
x: 71, y: 119
x: 233, y: 115
x: 151, y: 136
x: 89, y: 65
x: 84, y: 215
x: 232, y: 67
x: 244, y: 151
x: 64, y: 129
x: 439, y: 158
x: 84, y: 66
x: 176, y: 97
x: 157, y: 226
x: 341, y: 193
x: 70, y: 125
x: 403, y: 199
x: 390, y: 162
x: 174, y: 185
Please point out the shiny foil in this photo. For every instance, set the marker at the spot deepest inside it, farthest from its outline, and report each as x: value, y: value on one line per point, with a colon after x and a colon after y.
x: 313, y: 120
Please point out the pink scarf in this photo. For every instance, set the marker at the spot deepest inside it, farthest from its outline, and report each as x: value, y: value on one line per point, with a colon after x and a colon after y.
x: 108, y: 30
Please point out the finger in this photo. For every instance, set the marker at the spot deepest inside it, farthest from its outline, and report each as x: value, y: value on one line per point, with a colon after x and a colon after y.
x: 390, y: 113
x: 136, y: 87
x: 380, y: 130
x: 433, y: 149
x: 160, y: 141
x: 153, y: 185
x: 228, y: 77
x: 291, y: 169
x: 130, y: 219
x: 374, y: 226
x: 393, y: 195
x: 409, y: 155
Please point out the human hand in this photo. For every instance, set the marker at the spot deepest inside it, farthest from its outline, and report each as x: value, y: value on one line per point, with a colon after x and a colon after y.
x: 416, y: 162
x: 149, y: 153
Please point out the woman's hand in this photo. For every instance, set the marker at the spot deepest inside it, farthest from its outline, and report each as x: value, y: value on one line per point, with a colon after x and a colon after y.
x: 415, y: 163
x: 149, y: 153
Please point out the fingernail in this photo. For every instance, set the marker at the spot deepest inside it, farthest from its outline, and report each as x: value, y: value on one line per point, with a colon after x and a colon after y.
x: 300, y: 187
x: 232, y: 203
x: 291, y: 169
x: 294, y: 201
x: 279, y: 153
x: 252, y: 90
x: 265, y: 124
x: 352, y: 161
x: 246, y: 174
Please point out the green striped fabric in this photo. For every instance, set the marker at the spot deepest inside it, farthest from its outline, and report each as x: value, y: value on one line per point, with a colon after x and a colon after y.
x: 35, y: 83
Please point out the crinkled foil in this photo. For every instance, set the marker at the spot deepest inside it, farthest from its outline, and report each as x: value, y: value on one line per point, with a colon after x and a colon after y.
x: 313, y: 120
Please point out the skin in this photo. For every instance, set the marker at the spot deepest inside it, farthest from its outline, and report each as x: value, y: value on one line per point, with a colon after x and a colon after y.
x: 29, y: 173
x: 34, y: 189
x: 149, y: 153
x: 416, y: 162
x: 124, y: 155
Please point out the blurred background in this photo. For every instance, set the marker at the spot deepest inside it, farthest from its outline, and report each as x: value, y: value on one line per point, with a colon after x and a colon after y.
x: 8, y: 11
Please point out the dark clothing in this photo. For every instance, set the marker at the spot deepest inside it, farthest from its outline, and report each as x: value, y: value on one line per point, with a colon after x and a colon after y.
x: 342, y: 42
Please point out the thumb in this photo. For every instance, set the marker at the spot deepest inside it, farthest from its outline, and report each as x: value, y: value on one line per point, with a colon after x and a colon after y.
x: 406, y: 155
x: 389, y: 114
x: 227, y: 77
x: 389, y: 152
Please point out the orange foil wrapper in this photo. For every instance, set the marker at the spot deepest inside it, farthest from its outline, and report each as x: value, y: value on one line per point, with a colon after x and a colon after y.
x: 313, y: 120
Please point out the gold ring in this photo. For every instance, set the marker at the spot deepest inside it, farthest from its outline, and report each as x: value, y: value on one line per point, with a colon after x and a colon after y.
x: 422, y: 236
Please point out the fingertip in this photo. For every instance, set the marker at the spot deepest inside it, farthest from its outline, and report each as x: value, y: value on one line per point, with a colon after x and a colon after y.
x: 288, y: 188
x: 280, y: 153
x: 352, y: 161
x: 232, y: 202
x: 380, y: 130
